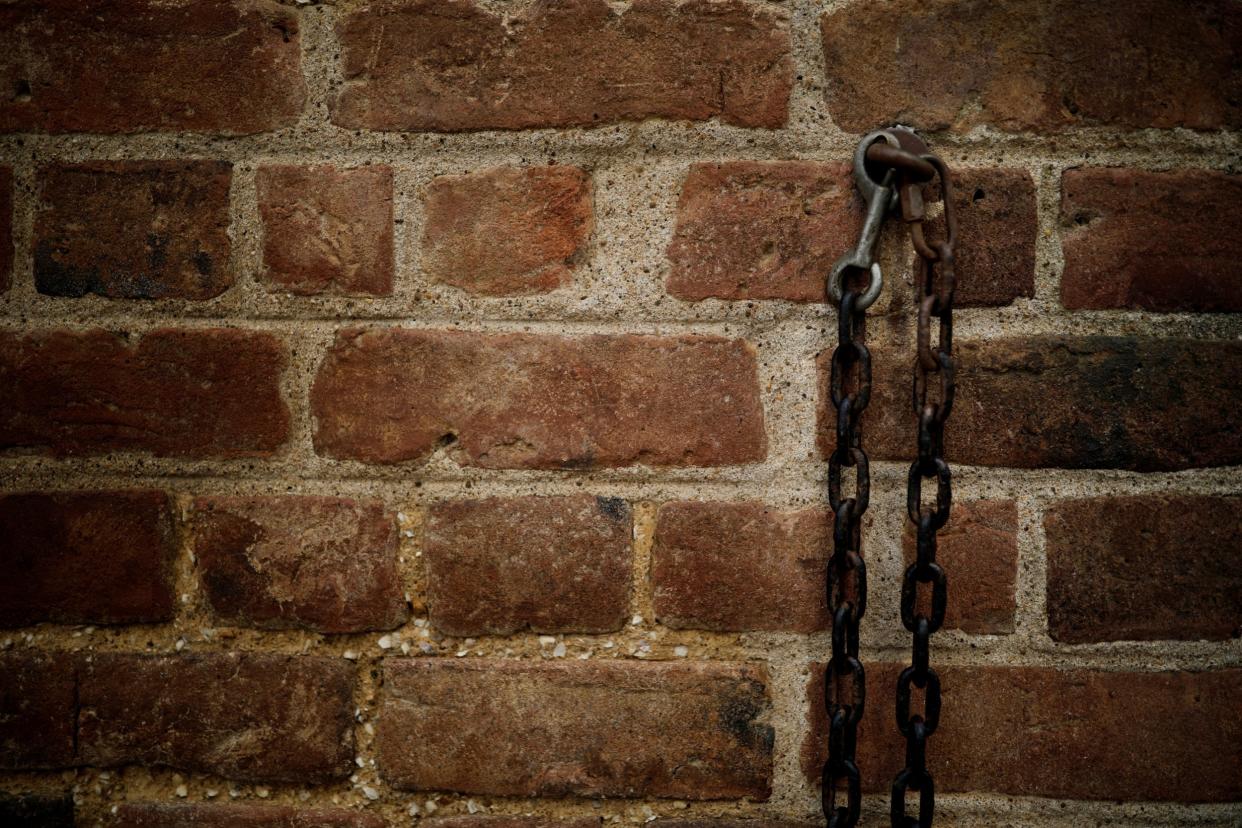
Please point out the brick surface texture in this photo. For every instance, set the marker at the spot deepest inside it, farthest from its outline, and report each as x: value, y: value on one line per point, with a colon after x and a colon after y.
x: 416, y: 412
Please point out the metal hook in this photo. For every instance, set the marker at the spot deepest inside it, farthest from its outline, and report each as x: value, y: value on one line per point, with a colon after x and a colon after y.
x: 881, y: 198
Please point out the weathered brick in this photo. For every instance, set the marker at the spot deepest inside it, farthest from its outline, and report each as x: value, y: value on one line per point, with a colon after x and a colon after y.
x: 86, y: 557
x: 1159, y: 241
x: 585, y: 728
x: 481, y: 821
x: 507, y: 230
x: 141, y: 65
x: 740, y: 566
x: 717, y: 822
x: 134, y: 229
x: 326, y: 229
x: 36, y: 811
x: 1034, y: 65
x: 320, y: 563
x: 246, y: 716
x: 995, y: 253
x: 977, y: 547
x: 158, y: 815
x: 1089, y: 734
x: 774, y: 229
x: 1070, y: 402
x: 1144, y: 567
x: 455, y: 65
x: 550, y: 564
x: 38, y: 705
x: 6, y: 227
x: 762, y: 229
x: 515, y: 400
x: 182, y: 393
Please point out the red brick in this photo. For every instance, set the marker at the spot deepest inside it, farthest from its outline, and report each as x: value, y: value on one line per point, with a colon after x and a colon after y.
x: 480, y: 821
x: 615, y: 729
x: 513, y: 400
x: 740, y: 566
x: 154, y: 815
x: 38, y: 705
x: 36, y: 811
x: 1159, y: 241
x: 762, y: 229
x: 181, y: 393
x: 1034, y: 65
x: 507, y: 230
x: 550, y: 564
x: 979, y: 549
x: 134, y: 229
x: 86, y: 558
x: 327, y: 230
x: 142, y: 66
x: 246, y: 716
x: 319, y: 563
x: 1065, y: 734
x: 716, y: 822
x: 1070, y: 402
x: 1145, y: 567
x: 453, y: 65
x: 6, y: 228
x: 995, y: 253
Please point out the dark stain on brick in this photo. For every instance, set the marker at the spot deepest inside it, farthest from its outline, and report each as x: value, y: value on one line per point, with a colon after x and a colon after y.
x: 738, y: 710
x: 613, y: 507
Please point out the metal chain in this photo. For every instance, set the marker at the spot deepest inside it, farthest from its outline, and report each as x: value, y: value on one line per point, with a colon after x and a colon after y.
x: 905, y: 166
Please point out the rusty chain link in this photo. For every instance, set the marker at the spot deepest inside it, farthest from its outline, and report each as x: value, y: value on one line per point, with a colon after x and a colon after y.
x: 903, y: 165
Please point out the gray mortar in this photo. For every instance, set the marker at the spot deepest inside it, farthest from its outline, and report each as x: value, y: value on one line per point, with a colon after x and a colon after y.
x: 637, y: 170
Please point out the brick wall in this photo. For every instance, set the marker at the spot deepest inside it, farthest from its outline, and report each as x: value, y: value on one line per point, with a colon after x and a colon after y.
x: 415, y: 409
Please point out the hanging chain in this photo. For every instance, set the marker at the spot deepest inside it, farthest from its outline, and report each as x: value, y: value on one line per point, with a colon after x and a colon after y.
x: 904, y: 165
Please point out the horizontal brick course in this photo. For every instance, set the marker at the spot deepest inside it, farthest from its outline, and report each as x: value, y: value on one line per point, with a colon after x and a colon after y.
x: 1144, y: 567
x: 1158, y: 241
x: 86, y: 557
x: 38, y: 705
x: 510, y: 728
x: 1072, y: 402
x: 141, y: 65
x: 158, y: 815
x: 320, y: 563
x: 1042, y: 66
x: 180, y: 393
x: 1070, y: 734
x: 451, y: 65
x: 740, y: 566
x: 537, y: 401
x: 134, y: 229
x: 550, y: 564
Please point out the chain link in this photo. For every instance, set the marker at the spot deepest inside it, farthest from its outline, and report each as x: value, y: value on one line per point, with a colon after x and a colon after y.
x: 905, y: 166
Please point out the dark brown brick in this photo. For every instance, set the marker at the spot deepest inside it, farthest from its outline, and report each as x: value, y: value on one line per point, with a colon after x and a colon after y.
x: 134, y: 229
x: 1070, y: 402
x: 247, y: 716
x: 320, y: 563
x: 1158, y: 241
x: 1034, y: 65
x: 615, y: 729
x: 86, y: 558
x: 539, y: 401
x: 327, y: 230
x: 1144, y: 567
x: 717, y: 822
x: 762, y: 229
x: 38, y: 705
x: 157, y: 815
x: 480, y: 821
x: 550, y: 564
x: 141, y: 66
x: 979, y: 549
x: 453, y: 65
x: 1064, y: 734
x: 507, y: 230
x: 36, y: 811
x: 740, y: 566
x: 995, y: 253
x: 181, y: 393
x: 6, y: 228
